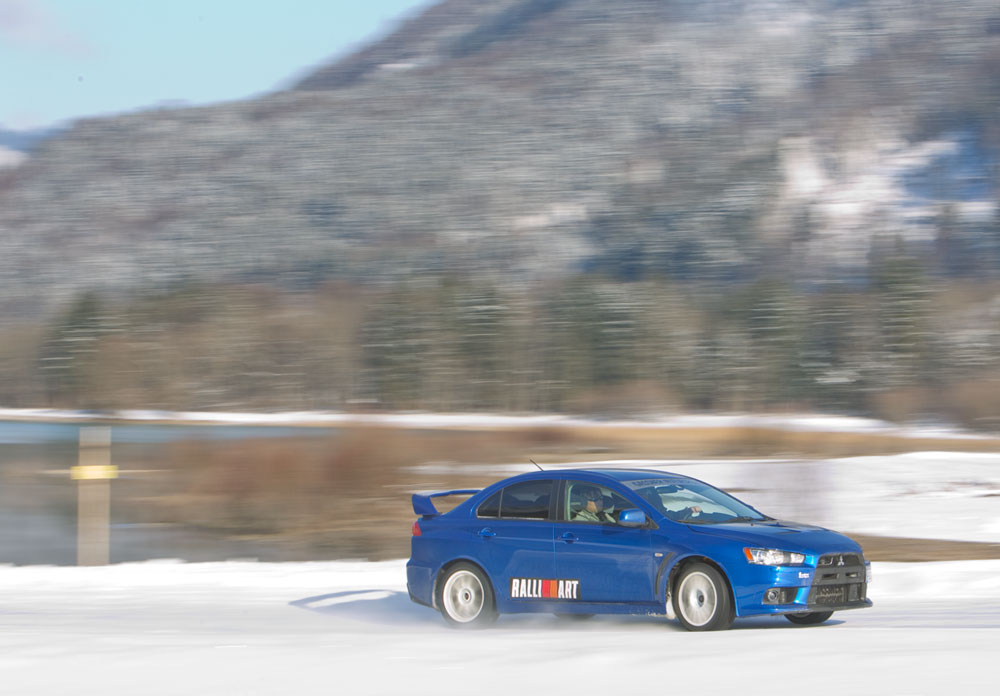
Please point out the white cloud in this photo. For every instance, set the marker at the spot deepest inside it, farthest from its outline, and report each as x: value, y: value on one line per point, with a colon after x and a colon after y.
x: 32, y: 23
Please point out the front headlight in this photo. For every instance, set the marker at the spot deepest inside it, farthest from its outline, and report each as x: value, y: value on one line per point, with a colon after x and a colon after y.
x: 774, y: 557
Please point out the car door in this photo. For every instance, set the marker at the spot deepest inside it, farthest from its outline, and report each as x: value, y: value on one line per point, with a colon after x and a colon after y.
x: 612, y: 563
x: 514, y: 527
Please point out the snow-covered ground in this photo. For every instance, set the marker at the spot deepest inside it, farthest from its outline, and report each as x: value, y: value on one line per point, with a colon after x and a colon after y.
x: 349, y: 628
x: 792, y: 421
x: 933, y: 495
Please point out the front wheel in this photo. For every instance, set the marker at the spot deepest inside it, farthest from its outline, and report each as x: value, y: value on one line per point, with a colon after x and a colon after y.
x: 465, y: 597
x: 701, y: 599
x: 809, y: 618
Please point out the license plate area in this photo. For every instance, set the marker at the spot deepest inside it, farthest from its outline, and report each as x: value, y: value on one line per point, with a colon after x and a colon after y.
x: 830, y: 594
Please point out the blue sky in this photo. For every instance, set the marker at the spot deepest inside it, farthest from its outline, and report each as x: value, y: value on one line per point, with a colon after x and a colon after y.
x: 63, y: 59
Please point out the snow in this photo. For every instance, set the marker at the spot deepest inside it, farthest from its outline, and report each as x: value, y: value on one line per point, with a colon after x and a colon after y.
x: 794, y: 421
x: 248, y: 628
x: 869, y: 183
x: 348, y: 627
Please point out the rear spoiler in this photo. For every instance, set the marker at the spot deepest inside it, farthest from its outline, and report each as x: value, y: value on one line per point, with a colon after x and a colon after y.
x: 422, y: 504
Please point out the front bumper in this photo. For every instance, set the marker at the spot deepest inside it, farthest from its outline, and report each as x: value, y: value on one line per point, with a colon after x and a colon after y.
x: 831, y: 582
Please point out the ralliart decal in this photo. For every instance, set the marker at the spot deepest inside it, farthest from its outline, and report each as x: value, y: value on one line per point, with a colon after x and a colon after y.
x: 538, y: 588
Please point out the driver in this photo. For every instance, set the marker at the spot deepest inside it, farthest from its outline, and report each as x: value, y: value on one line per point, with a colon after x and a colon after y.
x: 684, y: 514
x: 593, y: 509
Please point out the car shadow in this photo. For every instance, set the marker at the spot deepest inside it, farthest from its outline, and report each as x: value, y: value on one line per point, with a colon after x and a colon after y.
x: 383, y: 607
x: 771, y: 622
x: 641, y: 622
x: 394, y: 608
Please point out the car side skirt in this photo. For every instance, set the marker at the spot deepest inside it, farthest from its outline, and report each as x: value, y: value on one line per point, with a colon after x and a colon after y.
x: 543, y: 607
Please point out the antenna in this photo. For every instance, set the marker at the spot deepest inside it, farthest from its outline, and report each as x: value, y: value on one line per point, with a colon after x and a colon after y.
x: 535, y: 463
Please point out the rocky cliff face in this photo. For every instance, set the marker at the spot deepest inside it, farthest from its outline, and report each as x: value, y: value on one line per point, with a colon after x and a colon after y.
x: 526, y: 138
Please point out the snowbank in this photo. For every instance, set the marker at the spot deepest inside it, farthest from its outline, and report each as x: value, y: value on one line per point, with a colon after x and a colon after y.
x: 796, y: 422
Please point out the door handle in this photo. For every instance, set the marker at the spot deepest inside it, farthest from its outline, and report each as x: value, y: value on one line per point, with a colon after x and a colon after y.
x: 486, y: 533
x: 568, y: 537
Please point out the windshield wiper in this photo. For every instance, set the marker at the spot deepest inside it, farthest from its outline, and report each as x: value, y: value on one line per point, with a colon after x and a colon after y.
x: 703, y: 521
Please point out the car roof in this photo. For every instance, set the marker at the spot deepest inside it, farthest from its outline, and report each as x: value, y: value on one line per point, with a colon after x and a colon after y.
x: 632, y: 474
x: 594, y: 475
x: 617, y: 475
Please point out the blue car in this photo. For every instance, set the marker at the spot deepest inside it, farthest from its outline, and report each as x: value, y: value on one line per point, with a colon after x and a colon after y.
x: 615, y: 541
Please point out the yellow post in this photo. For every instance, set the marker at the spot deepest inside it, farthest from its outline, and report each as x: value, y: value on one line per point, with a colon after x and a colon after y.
x: 93, y: 477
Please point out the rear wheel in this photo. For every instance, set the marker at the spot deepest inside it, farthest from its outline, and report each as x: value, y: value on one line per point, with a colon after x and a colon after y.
x: 465, y: 597
x: 701, y: 599
x: 809, y: 618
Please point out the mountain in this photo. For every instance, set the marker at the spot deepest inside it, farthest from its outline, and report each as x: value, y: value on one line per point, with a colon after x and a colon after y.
x: 16, y: 145
x: 24, y: 140
x: 697, y: 140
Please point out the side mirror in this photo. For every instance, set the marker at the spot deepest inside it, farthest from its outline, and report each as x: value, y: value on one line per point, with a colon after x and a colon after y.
x: 632, y: 518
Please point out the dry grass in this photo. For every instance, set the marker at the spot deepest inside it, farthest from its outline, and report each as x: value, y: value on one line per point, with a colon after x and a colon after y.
x: 740, y: 442
x: 348, y: 495
x: 912, y: 550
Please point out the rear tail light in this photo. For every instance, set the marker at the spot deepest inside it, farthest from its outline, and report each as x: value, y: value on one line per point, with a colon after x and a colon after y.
x: 416, y: 528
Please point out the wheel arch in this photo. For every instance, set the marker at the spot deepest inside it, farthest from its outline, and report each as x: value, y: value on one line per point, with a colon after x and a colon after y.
x: 448, y: 565
x: 683, y: 563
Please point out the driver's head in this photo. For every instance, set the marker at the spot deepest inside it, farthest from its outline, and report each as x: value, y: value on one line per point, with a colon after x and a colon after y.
x: 592, y: 497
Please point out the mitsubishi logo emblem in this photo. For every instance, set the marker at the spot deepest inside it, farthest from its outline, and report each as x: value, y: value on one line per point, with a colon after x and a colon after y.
x: 840, y: 560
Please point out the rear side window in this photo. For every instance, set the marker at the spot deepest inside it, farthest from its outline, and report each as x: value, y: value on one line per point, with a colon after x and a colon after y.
x: 490, y: 508
x: 528, y: 500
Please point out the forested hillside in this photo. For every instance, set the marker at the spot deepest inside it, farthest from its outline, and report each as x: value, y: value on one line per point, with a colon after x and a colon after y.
x: 537, y: 205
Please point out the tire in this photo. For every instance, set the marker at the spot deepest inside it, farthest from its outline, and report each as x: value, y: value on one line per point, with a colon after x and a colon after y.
x: 701, y: 599
x: 810, y: 618
x: 465, y: 597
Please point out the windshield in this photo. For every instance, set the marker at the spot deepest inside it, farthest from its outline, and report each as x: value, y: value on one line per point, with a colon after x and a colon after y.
x: 693, y: 502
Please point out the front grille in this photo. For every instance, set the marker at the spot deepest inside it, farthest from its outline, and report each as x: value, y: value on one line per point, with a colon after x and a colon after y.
x: 839, y: 580
x: 840, y: 559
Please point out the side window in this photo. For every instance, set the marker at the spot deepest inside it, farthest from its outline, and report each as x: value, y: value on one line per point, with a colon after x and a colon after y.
x: 528, y: 500
x: 490, y: 507
x: 590, y: 502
